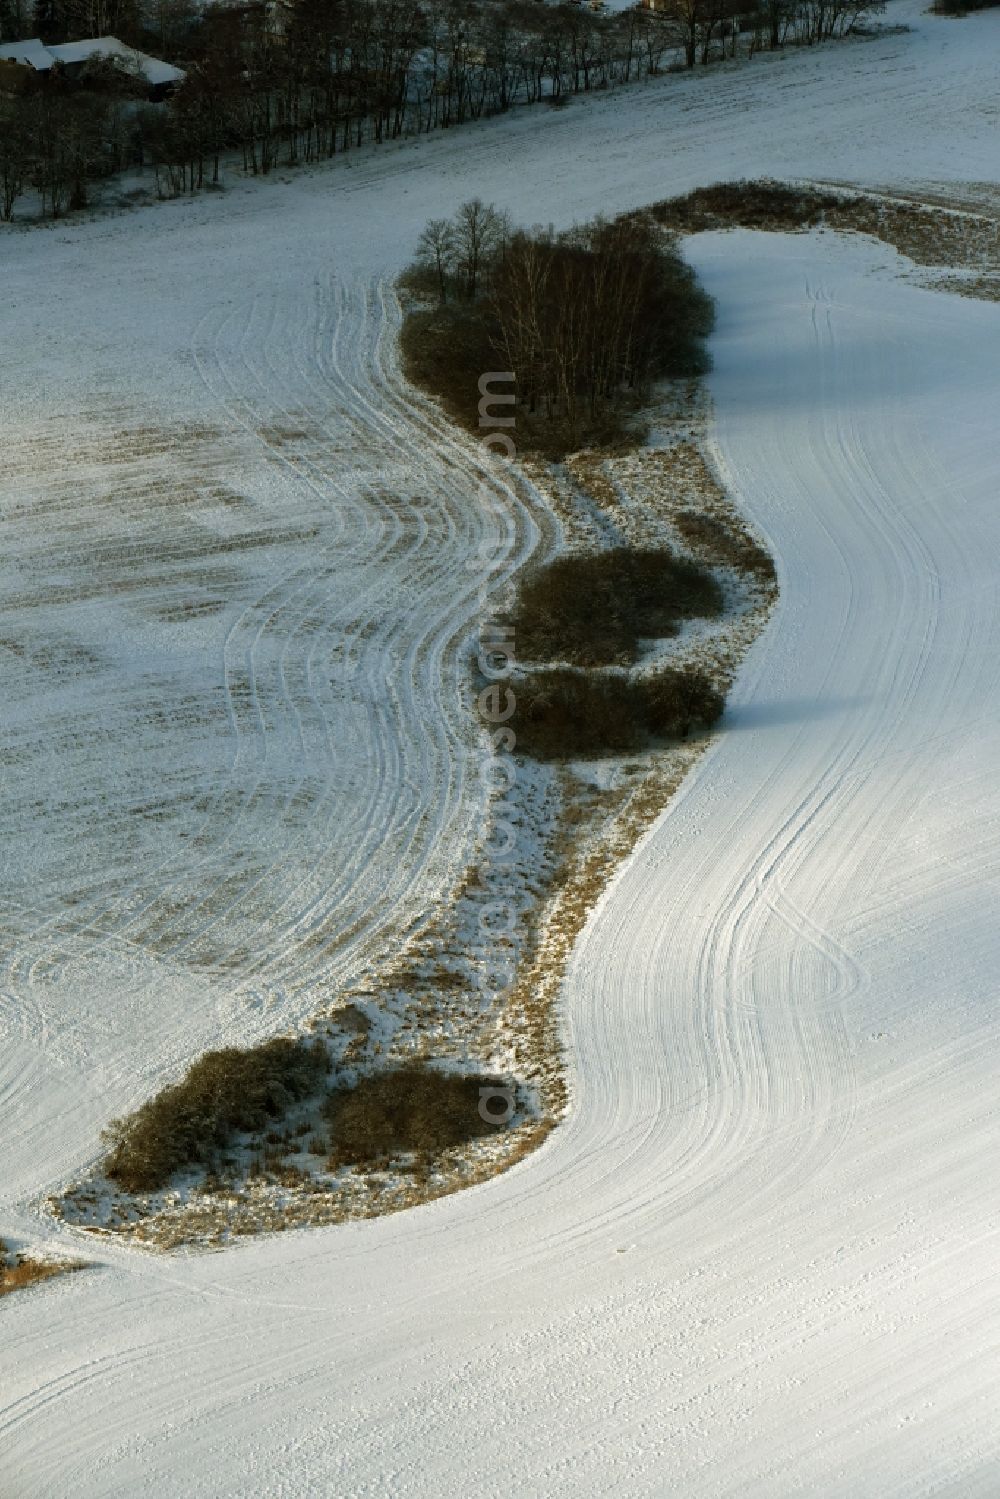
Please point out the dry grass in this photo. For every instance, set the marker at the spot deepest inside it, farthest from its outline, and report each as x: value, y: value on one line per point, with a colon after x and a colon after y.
x: 723, y: 542
x: 597, y: 831
x: 21, y: 1271
x: 929, y: 234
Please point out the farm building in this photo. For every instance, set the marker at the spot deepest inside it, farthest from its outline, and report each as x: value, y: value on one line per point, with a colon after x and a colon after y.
x: 160, y: 77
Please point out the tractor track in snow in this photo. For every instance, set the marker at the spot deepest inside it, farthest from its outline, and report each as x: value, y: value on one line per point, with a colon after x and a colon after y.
x: 391, y: 492
x: 758, y: 1259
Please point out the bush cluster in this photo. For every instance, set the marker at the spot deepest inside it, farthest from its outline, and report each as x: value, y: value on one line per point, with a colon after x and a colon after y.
x: 725, y: 543
x: 568, y: 714
x: 593, y: 610
x: 412, y: 1108
x: 224, y: 1093
x: 746, y: 204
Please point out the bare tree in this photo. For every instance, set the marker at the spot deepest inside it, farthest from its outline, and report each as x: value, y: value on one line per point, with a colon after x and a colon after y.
x: 479, y: 234
x: 437, y: 247
x: 14, y: 154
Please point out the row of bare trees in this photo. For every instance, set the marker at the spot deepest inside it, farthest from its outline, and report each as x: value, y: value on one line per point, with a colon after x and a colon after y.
x: 57, y: 139
x: 305, y: 79
x: 299, y: 80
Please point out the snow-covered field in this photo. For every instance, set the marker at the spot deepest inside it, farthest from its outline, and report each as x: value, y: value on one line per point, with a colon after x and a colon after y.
x: 758, y: 1258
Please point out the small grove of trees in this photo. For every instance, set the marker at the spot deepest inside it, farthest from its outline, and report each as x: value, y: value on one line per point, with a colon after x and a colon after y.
x: 585, y: 319
x: 57, y: 138
x: 589, y: 314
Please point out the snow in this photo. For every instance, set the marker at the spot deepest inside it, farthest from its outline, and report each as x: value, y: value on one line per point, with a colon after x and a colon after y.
x: 41, y: 57
x: 758, y: 1259
x: 32, y: 51
x: 155, y: 71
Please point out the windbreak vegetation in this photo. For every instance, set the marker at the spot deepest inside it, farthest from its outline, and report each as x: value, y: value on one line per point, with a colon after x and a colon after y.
x: 593, y: 610
x: 223, y: 1094
x: 585, y: 320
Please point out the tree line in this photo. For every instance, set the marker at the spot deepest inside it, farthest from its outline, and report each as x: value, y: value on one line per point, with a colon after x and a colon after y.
x: 293, y: 81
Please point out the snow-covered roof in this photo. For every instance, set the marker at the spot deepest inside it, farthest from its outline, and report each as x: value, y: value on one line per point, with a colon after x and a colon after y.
x: 152, y: 68
x: 36, y: 55
x: 33, y: 53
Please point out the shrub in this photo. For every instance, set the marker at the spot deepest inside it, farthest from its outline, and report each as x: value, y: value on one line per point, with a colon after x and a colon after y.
x: 593, y: 610
x: 445, y: 350
x: 578, y: 715
x: 222, y: 1094
x: 408, y: 1108
x: 678, y: 700
x: 567, y: 715
x: 724, y: 543
x: 750, y: 205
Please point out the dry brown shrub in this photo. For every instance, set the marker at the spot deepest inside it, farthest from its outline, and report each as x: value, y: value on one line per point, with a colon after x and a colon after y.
x: 578, y: 715
x: 763, y: 204
x: 19, y: 1271
x: 222, y: 1094
x: 405, y: 1109
x: 725, y: 543
x: 592, y: 610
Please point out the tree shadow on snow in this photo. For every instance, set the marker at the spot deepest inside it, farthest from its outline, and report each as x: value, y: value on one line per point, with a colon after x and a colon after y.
x: 779, y: 714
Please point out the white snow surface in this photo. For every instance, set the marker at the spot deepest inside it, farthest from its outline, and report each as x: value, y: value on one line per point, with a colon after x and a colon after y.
x: 32, y: 51
x: 760, y: 1256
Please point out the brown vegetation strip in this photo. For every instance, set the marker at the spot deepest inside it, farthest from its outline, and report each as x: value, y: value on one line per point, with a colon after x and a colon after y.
x: 21, y: 1272
x: 928, y: 234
